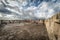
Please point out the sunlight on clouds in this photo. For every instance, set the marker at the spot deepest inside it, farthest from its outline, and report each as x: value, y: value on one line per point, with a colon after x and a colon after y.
x: 27, y: 9
x: 1, y: 15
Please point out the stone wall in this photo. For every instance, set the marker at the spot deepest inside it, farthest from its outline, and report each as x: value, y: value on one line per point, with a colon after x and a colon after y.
x: 53, y: 26
x: 10, y: 21
x: 19, y: 21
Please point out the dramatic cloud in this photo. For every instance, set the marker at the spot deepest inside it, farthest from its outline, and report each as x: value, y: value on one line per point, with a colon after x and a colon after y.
x: 28, y: 9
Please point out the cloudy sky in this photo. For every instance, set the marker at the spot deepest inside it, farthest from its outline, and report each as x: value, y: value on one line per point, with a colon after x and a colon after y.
x: 28, y: 9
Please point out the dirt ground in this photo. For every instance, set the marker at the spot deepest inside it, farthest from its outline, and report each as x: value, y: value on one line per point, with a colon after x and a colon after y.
x: 23, y: 31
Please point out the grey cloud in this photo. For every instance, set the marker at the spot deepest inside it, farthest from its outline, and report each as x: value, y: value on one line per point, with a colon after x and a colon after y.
x: 17, y: 10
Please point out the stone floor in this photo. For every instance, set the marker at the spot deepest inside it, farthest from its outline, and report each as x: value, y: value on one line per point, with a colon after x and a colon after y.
x: 23, y: 31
